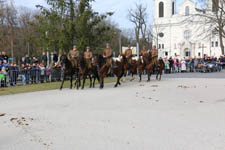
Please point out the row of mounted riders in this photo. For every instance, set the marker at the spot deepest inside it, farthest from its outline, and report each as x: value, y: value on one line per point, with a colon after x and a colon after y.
x: 100, y: 69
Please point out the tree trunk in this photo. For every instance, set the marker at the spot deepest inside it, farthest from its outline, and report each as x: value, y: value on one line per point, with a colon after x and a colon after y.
x: 221, y: 40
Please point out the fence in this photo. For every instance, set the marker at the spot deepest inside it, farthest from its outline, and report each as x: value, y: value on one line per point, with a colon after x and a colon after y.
x: 30, y: 76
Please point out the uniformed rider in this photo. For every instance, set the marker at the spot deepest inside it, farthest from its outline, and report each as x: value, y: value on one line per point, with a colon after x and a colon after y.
x: 88, y: 56
x: 128, y: 54
x: 107, y: 55
x: 73, y: 55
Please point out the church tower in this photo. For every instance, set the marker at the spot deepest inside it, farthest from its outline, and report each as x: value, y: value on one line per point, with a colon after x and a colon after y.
x: 164, y: 8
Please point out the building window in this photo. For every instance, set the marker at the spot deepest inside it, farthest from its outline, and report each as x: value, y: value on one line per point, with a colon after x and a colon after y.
x: 173, y: 8
x: 162, y: 46
x: 175, y: 46
x: 187, y: 11
x: 175, y: 54
x: 199, y: 54
x: 159, y: 46
x: 161, y: 9
x: 166, y: 53
x: 212, y: 44
x: 187, y: 53
x: 216, y: 44
x: 187, y: 35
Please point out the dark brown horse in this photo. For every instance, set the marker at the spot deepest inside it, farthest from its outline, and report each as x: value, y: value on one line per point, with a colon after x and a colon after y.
x: 159, y: 69
x: 86, y: 72
x: 68, y: 70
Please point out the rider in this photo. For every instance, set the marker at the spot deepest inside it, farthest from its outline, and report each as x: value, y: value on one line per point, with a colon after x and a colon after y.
x: 154, y: 55
x: 143, y: 54
x: 128, y: 54
x: 73, y: 55
x: 107, y: 54
x: 88, y: 56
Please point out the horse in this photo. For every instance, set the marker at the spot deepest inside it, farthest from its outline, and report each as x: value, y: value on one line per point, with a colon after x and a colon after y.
x: 159, y: 69
x: 94, y: 70
x: 103, y: 70
x: 146, y: 65
x: 84, y: 72
x: 68, y: 70
x: 140, y: 68
x: 133, y: 68
x: 117, y: 69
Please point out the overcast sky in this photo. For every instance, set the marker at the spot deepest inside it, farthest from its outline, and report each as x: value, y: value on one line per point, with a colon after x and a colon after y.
x: 120, y: 7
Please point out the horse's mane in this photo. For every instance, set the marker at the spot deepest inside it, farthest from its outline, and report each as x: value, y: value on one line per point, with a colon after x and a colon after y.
x: 101, y: 61
x: 65, y: 60
x: 82, y: 62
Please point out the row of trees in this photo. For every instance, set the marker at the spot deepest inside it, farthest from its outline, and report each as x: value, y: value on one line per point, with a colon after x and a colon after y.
x: 57, y: 28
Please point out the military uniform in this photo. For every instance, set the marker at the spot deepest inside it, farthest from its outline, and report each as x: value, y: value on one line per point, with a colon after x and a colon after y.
x: 128, y: 54
x: 107, y: 54
x: 88, y: 56
x: 72, y: 56
x: 154, y: 55
x: 143, y: 54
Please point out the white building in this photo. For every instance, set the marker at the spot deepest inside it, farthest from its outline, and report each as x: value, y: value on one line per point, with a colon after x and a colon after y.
x: 181, y: 32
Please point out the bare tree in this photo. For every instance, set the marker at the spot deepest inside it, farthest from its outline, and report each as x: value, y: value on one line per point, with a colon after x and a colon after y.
x: 138, y: 17
x: 213, y: 18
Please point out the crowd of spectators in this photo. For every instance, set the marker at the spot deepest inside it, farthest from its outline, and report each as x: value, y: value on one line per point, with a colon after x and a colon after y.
x: 30, y: 70
x: 189, y: 64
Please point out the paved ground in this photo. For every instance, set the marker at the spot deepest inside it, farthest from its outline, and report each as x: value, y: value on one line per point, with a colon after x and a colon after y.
x: 173, y: 114
x: 214, y: 75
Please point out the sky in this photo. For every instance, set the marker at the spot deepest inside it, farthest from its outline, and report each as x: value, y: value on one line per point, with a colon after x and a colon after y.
x: 120, y: 7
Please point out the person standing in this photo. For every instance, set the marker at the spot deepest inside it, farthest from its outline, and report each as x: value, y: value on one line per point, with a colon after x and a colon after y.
x: 183, y: 66
x: 4, y: 56
x: 44, y: 59
x: 170, y: 64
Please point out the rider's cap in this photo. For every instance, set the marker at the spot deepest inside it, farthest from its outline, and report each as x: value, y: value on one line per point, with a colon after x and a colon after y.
x: 107, y: 44
x: 74, y: 46
x: 88, y: 47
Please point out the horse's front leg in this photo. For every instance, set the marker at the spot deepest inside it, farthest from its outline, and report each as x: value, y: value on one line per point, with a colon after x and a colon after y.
x: 148, y: 76
x: 62, y: 83
x: 71, y: 82
x: 117, y: 82
x: 90, y: 81
x: 84, y: 79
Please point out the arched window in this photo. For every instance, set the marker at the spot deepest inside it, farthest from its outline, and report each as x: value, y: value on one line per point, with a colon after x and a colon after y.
x: 173, y: 8
x: 187, y: 11
x: 161, y: 9
x: 187, y: 35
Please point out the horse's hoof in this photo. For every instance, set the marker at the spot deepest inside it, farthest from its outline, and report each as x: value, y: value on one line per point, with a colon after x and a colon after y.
x: 115, y: 86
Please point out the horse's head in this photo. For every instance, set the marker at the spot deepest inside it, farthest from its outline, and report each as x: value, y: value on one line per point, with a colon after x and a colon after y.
x: 64, y: 60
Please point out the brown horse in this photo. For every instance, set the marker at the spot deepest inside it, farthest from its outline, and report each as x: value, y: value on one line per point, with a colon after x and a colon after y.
x: 146, y: 65
x: 117, y: 69
x: 140, y: 68
x: 84, y: 72
x: 159, y: 69
x: 133, y: 69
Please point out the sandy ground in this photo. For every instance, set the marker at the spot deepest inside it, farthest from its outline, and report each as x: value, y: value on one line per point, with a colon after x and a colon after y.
x: 174, y: 114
